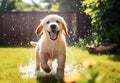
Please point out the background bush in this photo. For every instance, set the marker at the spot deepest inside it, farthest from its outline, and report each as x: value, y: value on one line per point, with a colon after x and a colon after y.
x: 105, y: 21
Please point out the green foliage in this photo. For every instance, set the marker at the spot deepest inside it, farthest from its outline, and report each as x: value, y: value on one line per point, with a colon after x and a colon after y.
x: 105, y: 20
x: 18, y: 5
x: 7, y: 5
x: 64, y: 5
x: 67, y: 5
x: 21, y: 6
x: 91, y: 39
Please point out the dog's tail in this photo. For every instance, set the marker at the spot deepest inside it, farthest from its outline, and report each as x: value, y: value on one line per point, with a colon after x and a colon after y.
x: 33, y: 43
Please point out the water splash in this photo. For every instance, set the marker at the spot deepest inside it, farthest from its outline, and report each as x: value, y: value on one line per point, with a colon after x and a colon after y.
x: 28, y: 71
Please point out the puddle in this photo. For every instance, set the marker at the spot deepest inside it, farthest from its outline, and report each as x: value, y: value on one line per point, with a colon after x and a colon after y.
x: 28, y: 71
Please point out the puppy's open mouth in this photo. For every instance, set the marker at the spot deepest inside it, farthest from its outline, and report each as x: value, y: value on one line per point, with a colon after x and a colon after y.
x: 53, y: 35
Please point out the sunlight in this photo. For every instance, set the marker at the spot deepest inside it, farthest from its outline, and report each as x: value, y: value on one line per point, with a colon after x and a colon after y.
x: 30, y: 1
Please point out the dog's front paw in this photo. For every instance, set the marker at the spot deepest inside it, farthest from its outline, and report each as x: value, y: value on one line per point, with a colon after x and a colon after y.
x: 47, y: 70
x: 59, y: 76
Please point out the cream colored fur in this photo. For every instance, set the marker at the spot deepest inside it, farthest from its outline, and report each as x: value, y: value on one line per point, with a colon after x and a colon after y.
x: 50, y: 48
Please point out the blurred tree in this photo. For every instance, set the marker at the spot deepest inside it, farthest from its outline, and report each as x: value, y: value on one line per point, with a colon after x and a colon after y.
x: 64, y: 5
x: 18, y: 5
x: 7, y: 5
x: 35, y: 4
x: 105, y: 20
x: 67, y: 5
x: 21, y: 6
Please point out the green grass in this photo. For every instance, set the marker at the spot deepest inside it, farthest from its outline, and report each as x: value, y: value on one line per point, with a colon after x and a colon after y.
x: 11, y: 58
x: 107, y: 64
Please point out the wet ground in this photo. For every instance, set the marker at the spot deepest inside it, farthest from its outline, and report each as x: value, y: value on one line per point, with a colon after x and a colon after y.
x: 28, y: 71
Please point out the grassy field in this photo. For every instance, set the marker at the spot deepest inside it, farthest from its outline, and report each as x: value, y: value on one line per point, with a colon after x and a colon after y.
x: 12, y: 57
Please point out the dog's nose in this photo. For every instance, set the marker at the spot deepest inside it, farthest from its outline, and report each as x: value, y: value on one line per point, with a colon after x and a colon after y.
x: 53, y: 27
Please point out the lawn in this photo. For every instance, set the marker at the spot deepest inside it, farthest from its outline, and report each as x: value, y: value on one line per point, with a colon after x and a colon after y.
x: 12, y: 57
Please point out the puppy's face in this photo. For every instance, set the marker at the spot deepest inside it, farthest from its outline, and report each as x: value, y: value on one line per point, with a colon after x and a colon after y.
x: 53, y: 26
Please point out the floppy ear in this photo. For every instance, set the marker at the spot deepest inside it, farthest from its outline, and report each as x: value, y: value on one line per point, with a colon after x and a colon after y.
x: 65, y: 28
x: 39, y: 28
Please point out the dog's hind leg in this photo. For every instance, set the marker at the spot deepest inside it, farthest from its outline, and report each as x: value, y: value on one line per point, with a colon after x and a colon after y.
x: 37, y: 62
x: 37, y: 69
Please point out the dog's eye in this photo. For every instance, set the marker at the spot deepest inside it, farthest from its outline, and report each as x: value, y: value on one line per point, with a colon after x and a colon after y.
x: 57, y: 21
x: 48, y: 22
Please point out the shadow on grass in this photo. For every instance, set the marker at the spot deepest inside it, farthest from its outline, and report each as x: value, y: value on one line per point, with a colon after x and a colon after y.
x: 48, y: 79
x: 116, y: 56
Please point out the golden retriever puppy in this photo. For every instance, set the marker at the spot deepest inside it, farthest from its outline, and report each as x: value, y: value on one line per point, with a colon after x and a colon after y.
x: 52, y: 44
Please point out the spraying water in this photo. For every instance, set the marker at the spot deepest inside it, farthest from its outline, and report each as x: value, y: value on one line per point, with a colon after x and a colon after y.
x: 28, y: 71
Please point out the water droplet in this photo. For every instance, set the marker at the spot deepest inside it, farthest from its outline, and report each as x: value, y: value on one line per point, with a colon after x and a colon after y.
x: 28, y: 43
x: 4, y: 34
x: 4, y: 9
x: 89, y: 17
x: 12, y: 19
x: 12, y: 16
x: 11, y: 26
x: 88, y: 31
x: 72, y: 38
x: 84, y: 21
x: 32, y: 18
x: 73, y: 21
x: 26, y: 23
x: 84, y: 27
x: 76, y: 5
x: 12, y: 29
x: 22, y: 34
x: 80, y: 12
x: 70, y: 31
x: 8, y: 42
x: 14, y: 35
x: 21, y: 43
x: 48, y: 12
x: 23, y: 18
x: 11, y: 6
x: 21, y: 14
x: 12, y: 38
x: 2, y: 16
x: 85, y: 35
x: 27, y: 38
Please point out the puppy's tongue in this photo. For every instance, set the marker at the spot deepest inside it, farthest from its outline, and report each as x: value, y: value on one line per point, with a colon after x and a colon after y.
x: 53, y: 35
